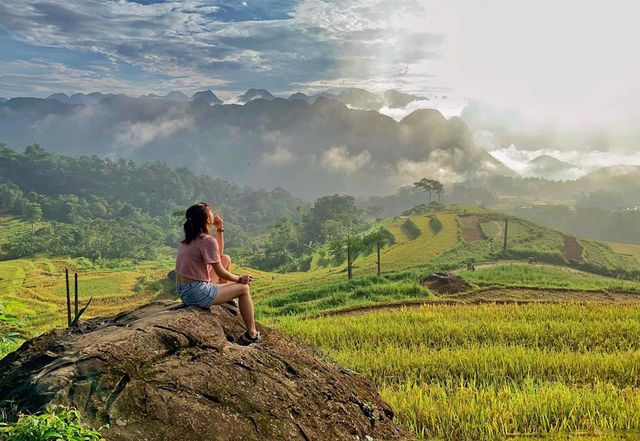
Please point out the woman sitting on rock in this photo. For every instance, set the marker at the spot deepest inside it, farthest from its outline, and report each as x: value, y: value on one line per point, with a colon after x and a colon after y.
x: 198, y: 255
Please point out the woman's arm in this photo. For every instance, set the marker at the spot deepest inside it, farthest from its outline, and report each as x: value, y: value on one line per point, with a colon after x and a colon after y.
x: 219, y: 224
x: 224, y: 274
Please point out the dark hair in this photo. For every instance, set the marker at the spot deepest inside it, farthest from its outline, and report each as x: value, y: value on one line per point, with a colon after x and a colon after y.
x: 196, y: 222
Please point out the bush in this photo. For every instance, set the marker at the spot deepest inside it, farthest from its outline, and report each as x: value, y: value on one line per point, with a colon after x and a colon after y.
x: 58, y: 423
x: 412, y: 230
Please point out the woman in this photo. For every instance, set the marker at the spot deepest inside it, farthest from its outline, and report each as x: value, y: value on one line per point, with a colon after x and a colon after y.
x: 199, y: 261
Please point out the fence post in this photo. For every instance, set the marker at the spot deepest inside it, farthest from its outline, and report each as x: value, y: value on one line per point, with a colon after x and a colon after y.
x: 349, y: 274
x: 75, y: 303
x: 66, y: 272
x: 506, y: 228
x: 378, y: 251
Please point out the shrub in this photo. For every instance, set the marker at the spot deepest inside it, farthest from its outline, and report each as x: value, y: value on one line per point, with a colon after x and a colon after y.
x: 57, y: 423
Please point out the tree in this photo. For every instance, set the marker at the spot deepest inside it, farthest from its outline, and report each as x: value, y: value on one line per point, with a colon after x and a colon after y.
x: 439, y: 189
x: 340, y: 209
x: 429, y: 185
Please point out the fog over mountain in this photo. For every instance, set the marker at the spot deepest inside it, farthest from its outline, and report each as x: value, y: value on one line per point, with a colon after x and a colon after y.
x: 310, y: 149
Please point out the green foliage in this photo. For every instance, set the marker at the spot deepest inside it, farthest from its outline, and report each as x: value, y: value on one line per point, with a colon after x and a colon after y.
x: 536, y: 276
x: 58, y: 423
x: 361, y: 291
x: 330, y: 218
x: 435, y: 224
x: 89, y: 197
x: 411, y: 229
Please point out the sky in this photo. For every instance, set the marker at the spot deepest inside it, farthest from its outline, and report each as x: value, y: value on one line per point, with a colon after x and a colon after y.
x: 564, y: 73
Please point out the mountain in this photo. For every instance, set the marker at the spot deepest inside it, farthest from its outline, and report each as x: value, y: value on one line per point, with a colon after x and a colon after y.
x: 2, y: 100
x: 207, y: 96
x: 79, y: 98
x: 361, y: 99
x: 176, y: 95
x: 253, y: 94
x: 395, y: 99
x: 311, y: 149
x: 548, y: 167
x: 302, y: 96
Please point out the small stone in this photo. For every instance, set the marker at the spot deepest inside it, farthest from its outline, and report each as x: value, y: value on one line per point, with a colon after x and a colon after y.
x: 120, y: 422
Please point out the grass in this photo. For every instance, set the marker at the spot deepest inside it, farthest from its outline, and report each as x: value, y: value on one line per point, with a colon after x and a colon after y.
x: 486, y: 372
x: 536, y: 276
x: 11, y: 226
x: 35, y: 289
x: 627, y: 249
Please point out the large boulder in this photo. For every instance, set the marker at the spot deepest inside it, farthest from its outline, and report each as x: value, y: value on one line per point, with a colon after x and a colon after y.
x: 168, y: 372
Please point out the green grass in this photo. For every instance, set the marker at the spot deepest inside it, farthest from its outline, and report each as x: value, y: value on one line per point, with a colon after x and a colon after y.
x: 337, y: 295
x: 11, y: 226
x: 486, y: 372
x: 536, y: 276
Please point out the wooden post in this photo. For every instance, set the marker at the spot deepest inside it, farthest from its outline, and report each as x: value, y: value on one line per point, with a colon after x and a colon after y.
x: 75, y: 303
x: 506, y: 229
x: 349, y: 275
x: 66, y: 272
x: 378, y: 250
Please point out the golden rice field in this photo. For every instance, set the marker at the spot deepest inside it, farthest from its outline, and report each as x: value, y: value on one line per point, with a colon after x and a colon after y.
x: 495, y: 371
x: 35, y: 290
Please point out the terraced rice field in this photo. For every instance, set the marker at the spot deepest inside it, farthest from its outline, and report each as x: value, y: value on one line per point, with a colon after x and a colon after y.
x: 35, y: 290
x: 627, y: 249
x: 493, y: 371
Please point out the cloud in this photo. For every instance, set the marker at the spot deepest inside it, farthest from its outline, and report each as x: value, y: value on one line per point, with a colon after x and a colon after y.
x: 279, y: 156
x: 583, y: 162
x: 337, y: 159
x: 137, y: 134
x: 182, y: 44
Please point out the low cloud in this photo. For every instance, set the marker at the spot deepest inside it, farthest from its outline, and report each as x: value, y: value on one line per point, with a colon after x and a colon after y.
x: 279, y: 156
x: 138, y: 134
x: 337, y: 159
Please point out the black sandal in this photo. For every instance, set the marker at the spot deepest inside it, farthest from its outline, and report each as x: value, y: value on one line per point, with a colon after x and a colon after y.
x: 246, y: 339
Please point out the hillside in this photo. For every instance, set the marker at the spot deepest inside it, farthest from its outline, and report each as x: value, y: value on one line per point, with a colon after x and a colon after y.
x: 34, y: 288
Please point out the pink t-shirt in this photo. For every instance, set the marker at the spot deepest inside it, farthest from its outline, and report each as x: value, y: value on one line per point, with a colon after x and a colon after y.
x: 195, y: 259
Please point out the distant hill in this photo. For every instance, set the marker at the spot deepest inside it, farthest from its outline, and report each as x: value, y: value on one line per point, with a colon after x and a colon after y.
x: 207, y: 96
x: 312, y: 149
x: 252, y: 94
x: 548, y: 167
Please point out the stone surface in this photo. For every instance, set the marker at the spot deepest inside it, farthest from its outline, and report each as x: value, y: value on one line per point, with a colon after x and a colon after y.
x: 167, y: 372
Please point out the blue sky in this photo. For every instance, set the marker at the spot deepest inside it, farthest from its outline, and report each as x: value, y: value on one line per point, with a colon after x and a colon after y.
x: 144, y: 46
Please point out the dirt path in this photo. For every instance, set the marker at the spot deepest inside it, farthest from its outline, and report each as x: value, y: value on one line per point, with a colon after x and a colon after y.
x: 500, y: 296
x: 471, y: 230
x: 572, y: 249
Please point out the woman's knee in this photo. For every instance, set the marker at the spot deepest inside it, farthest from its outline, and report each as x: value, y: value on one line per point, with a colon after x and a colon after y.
x: 225, y: 259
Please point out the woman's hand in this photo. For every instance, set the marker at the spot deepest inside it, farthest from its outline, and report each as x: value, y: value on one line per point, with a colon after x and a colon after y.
x: 245, y: 280
x: 217, y: 221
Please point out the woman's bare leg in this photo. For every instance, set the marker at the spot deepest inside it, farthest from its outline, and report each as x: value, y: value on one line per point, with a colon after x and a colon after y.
x: 225, y: 259
x: 240, y: 291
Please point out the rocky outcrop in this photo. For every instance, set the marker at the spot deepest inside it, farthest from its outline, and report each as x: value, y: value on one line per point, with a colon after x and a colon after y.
x: 167, y: 372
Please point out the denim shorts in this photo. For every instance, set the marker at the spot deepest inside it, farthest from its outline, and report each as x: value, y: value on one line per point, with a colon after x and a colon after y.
x: 197, y: 293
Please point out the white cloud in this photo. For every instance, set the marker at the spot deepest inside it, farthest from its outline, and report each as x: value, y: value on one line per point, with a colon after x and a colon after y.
x: 337, y: 159
x: 138, y: 134
x: 279, y: 156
